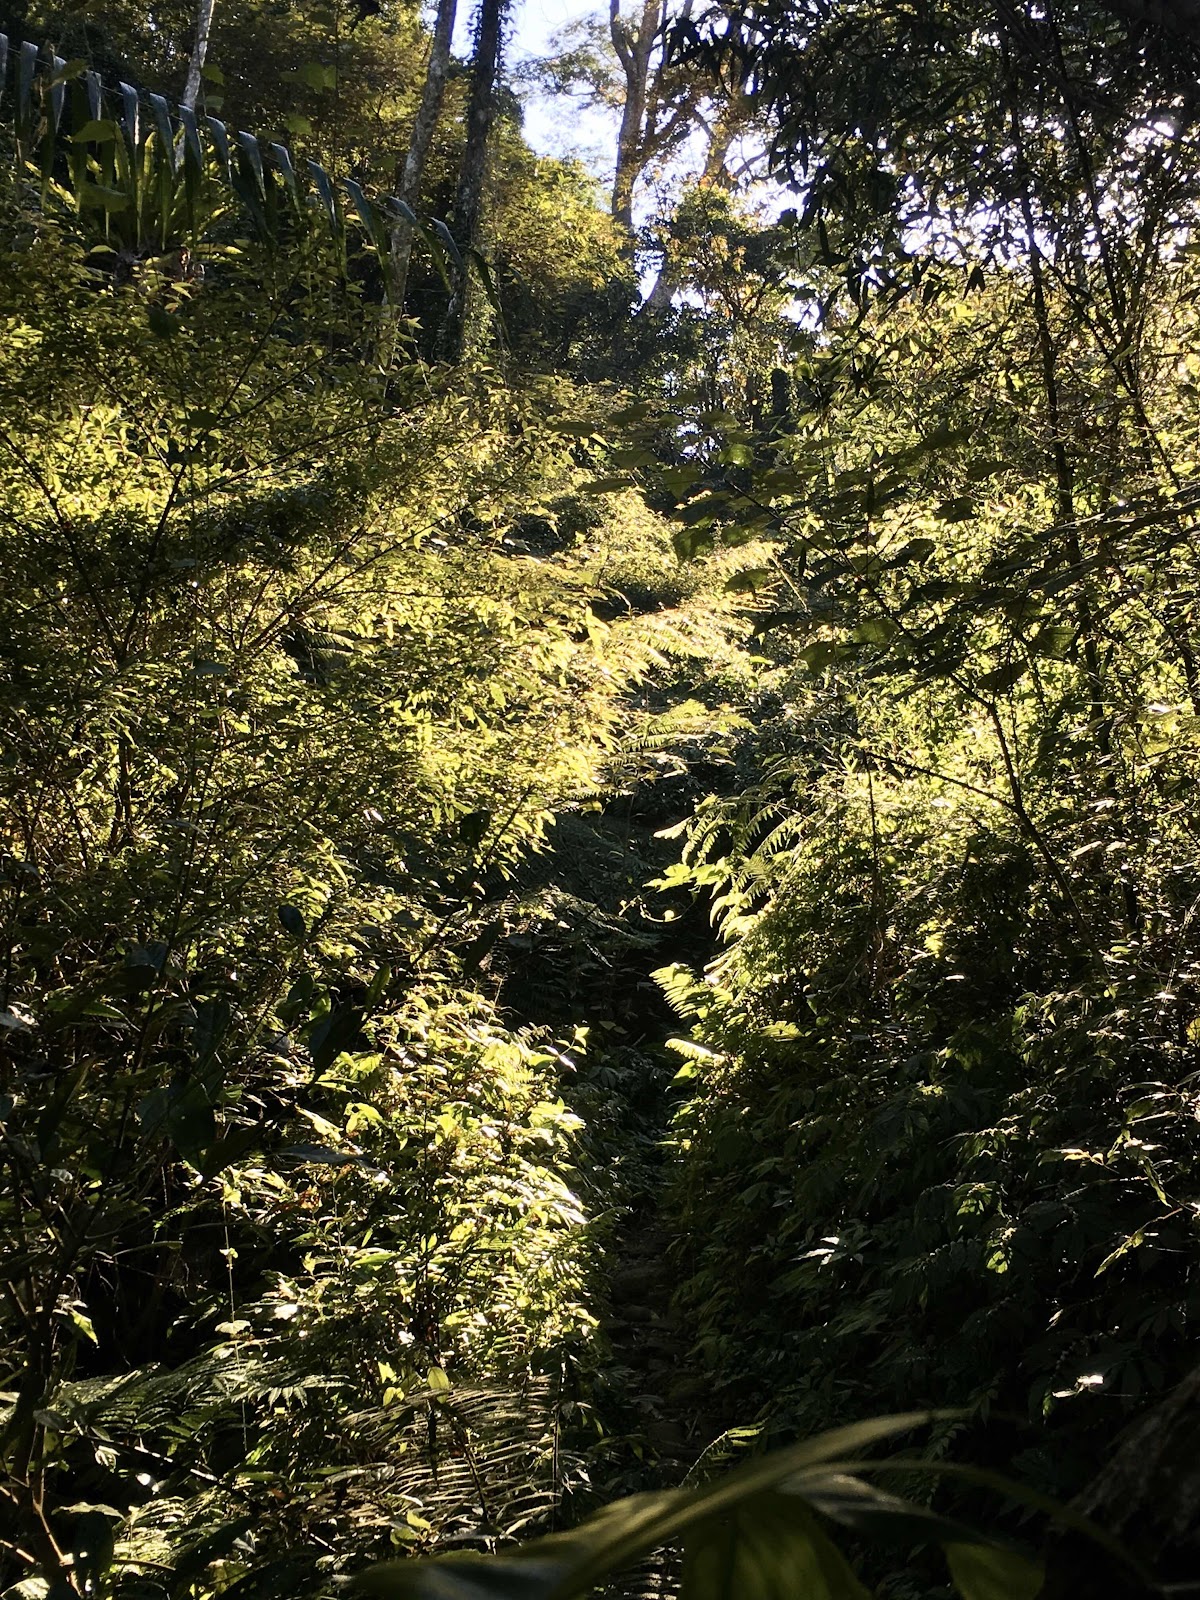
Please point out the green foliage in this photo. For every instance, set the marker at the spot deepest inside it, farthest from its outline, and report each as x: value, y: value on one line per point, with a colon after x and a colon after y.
x: 288, y: 1209
x: 374, y: 731
x: 758, y: 1532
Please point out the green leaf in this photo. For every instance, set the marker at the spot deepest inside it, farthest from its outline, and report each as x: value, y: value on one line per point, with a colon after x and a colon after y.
x: 95, y: 132
x: 691, y: 542
x: 566, y: 1565
x: 1053, y: 640
x: 162, y: 324
x: 574, y: 430
x: 473, y: 827
x: 956, y: 510
x: 98, y: 196
x: 1003, y: 678
x: 750, y: 580
x: 987, y: 1572
x: 816, y: 657
x: 770, y: 1547
x: 875, y: 630
x: 333, y: 1034
x: 705, y: 508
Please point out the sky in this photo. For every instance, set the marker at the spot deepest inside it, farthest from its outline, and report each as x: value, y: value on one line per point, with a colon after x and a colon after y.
x: 554, y: 126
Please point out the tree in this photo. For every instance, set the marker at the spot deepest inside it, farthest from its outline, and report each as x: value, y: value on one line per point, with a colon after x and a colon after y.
x: 410, y: 174
x: 467, y: 216
x: 204, y: 16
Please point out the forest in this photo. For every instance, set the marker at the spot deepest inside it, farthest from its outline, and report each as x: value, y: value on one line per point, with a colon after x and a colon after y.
x: 599, y: 800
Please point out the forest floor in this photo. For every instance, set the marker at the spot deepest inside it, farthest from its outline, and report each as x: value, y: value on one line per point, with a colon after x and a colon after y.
x: 589, y: 940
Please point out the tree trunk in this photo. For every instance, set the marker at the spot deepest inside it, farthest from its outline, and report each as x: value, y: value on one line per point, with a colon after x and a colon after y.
x: 634, y: 49
x: 411, y: 173
x: 468, y: 200
x: 1147, y: 1495
x: 204, y: 16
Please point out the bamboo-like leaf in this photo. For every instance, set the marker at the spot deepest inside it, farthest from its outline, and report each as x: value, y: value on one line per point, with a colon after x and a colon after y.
x: 131, y: 115
x: 771, y: 1547
x: 403, y: 210
x: 219, y: 134
x: 566, y: 1565
x: 26, y: 65
x: 447, y: 240
x: 93, y: 89
x: 368, y: 215
x: 324, y: 189
x: 253, y: 154
x: 58, y: 90
x: 282, y: 159
x: 988, y: 1572
x: 191, y: 135
x: 166, y: 133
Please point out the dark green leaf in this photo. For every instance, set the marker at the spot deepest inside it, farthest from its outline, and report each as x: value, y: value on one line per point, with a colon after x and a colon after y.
x: 987, y: 1572
x: 769, y: 1547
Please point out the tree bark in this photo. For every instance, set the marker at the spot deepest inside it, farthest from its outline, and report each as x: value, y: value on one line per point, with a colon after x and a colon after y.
x: 468, y: 200
x: 634, y: 47
x: 1148, y: 1496
x: 410, y: 174
x: 204, y: 16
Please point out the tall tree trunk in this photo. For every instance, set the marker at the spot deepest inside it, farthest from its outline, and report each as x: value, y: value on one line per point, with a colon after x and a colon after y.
x: 634, y: 49
x: 204, y: 16
x: 411, y: 173
x: 468, y: 199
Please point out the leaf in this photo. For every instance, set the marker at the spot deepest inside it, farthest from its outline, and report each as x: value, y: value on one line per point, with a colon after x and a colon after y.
x: 574, y: 429
x: 253, y: 154
x: 162, y: 324
x: 166, y: 134
x: 770, y: 1547
x: 1053, y: 640
x: 369, y: 217
x: 213, y: 1017
x: 691, y: 542
x: 333, y: 1034
x: 914, y: 550
x: 292, y: 920
x: 97, y: 131
x: 84, y: 1324
x: 750, y: 580
x: 472, y: 828
x: 705, y: 508
x: 191, y: 135
x: 875, y: 630
x: 816, y: 657
x: 93, y: 196
x: 324, y: 189
x: 565, y: 1565
x: 957, y: 509
x: 230, y: 1147
x: 987, y: 1572
x: 876, y: 1513
x: 1003, y: 678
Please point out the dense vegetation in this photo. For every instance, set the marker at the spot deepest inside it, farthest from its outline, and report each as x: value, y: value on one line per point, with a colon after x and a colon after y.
x: 598, y: 793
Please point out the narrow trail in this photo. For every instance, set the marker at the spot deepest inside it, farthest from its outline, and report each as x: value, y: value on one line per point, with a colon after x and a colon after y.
x: 586, y: 941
